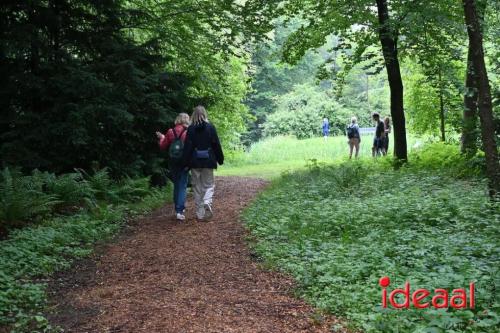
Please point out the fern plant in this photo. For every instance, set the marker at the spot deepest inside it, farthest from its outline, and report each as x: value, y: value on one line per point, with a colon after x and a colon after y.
x: 72, y: 189
x: 132, y: 190
x: 101, y: 185
x: 21, y: 199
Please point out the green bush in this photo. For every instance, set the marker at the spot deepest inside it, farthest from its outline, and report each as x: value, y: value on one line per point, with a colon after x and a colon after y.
x: 25, y: 199
x: 132, y: 190
x: 447, y: 157
x: 101, y: 185
x: 22, y: 199
x: 70, y: 189
x: 346, y: 226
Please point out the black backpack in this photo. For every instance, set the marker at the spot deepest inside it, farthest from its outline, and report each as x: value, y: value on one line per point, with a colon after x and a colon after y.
x: 176, y: 149
x: 352, y: 132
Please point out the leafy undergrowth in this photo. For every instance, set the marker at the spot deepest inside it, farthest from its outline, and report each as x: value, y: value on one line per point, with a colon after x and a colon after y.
x: 31, y: 254
x: 338, y: 229
x: 28, y: 199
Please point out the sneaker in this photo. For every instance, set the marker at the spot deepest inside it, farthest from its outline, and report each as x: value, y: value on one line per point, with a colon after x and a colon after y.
x: 208, y: 211
x: 180, y: 217
x: 200, y: 213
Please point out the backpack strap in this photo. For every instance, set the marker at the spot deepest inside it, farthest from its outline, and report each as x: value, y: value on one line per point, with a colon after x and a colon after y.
x: 175, y: 133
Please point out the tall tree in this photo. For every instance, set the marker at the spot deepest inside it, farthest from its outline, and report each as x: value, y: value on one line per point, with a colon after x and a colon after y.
x: 470, y: 115
x: 485, y: 108
x: 388, y: 39
x: 469, y: 135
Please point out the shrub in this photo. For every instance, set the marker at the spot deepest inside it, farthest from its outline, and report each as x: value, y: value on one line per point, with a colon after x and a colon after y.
x: 70, y: 189
x: 132, y: 190
x: 26, y: 199
x: 21, y: 199
x: 447, y: 157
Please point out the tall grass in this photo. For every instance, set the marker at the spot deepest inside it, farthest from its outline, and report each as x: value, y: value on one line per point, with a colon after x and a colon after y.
x: 272, y: 156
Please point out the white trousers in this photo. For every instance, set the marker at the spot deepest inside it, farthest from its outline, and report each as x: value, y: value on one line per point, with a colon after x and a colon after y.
x: 203, y: 189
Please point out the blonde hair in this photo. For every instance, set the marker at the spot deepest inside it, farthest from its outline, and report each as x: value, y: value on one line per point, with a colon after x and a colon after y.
x: 182, y: 119
x: 387, y: 121
x: 354, y: 120
x: 199, y: 115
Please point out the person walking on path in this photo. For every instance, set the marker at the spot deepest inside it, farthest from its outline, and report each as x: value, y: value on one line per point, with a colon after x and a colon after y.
x: 202, y: 153
x: 378, y: 141
x: 174, y: 140
x: 354, y: 137
x: 387, y: 131
x: 326, y: 128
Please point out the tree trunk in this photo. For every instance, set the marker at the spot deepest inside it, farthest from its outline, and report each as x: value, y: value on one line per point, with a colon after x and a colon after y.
x: 484, y: 96
x: 441, y: 107
x: 389, y: 48
x: 469, y: 133
x: 469, y: 127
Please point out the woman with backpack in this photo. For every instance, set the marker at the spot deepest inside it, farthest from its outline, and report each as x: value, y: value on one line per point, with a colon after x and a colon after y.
x: 174, y: 140
x: 202, y: 153
x: 354, y: 139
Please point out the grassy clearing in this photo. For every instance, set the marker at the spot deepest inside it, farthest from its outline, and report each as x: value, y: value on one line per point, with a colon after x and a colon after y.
x: 338, y: 229
x: 54, y: 236
x: 272, y: 156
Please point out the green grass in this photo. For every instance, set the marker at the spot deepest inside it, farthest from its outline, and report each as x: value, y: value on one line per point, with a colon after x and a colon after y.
x: 273, y: 156
x: 338, y: 229
x: 266, y: 171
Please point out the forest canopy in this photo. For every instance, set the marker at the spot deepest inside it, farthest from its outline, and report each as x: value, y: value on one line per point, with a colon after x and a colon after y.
x: 86, y: 83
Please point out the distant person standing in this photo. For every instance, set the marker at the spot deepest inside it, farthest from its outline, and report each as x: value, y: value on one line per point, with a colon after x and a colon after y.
x: 387, y: 131
x: 202, y: 153
x: 174, y: 140
x: 378, y: 141
x: 354, y: 138
x: 326, y: 128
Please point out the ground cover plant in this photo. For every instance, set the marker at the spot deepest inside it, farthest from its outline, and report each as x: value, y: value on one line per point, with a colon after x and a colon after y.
x: 63, y: 216
x: 338, y: 229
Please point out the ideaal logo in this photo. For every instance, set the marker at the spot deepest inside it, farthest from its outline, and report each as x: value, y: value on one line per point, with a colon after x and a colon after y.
x: 439, y: 299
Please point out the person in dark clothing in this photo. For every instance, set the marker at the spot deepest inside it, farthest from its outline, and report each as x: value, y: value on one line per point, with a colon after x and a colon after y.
x: 202, y: 153
x: 378, y: 141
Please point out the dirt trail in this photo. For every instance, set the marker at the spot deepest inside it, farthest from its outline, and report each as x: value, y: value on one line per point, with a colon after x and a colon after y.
x: 162, y: 276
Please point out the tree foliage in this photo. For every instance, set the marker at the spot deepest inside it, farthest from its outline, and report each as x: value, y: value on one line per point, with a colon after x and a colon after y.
x: 87, y: 82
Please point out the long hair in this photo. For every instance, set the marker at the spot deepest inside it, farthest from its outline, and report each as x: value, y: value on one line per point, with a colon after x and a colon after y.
x: 387, y: 121
x: 182, y: 119
x: 199, y: 115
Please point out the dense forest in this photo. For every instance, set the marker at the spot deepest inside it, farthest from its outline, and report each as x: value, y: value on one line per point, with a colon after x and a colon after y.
x: 91, y: 81
x: 87, y: 82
